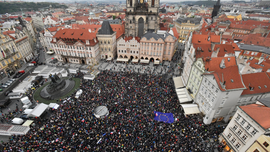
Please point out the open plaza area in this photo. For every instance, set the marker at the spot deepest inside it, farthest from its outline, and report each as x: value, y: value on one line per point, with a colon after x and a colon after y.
x: 131, y: 99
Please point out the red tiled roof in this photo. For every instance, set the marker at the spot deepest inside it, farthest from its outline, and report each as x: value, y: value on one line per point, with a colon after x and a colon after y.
x: 28, y: 19
x: 264, y: 65
x: 175, y: 33
x: 242, y: 27
x: 230, y: 77
x: 202, y: 50
x: 119, y: 29
x: 205, y: 39
x: 131, y: 37
x: 255, y: 39
x: 224, y: 49
x: 93, y: 27
x: 53, y: 29
x: 55, y: 19
x: 82, y: 18
x: 21, y: 39
x: 256, y: 83
x: 76, y: 34
x: 258, y: 113
x: 213, y: 64
x: 68, y: 18
x: 13, y: 17
x: 215, y: 38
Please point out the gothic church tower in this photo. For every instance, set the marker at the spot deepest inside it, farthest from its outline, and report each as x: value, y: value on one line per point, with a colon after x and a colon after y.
x: 141, y: 17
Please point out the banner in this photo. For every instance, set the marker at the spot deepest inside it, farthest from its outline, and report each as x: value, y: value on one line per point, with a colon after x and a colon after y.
x: 165, y: 117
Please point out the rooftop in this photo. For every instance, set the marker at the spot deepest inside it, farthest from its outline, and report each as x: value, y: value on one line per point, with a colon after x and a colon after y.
x: 190, y: 20
x: 256, y: 86
x: 258, y: 113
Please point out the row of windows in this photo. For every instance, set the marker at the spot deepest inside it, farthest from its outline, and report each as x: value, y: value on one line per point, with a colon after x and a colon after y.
x: 124, y: 51
x: 73, y: 47
x: 105, y: 42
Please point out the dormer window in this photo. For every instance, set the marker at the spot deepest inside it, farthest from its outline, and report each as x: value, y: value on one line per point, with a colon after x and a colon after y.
x: 54, y: 39
x: 87, y: 42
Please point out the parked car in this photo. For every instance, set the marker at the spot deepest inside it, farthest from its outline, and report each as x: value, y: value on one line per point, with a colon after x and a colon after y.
x: 7, y: 92
x: 1, y: 90
x: 4, y: 86
x: 8, y: 83
x: 78, y: 93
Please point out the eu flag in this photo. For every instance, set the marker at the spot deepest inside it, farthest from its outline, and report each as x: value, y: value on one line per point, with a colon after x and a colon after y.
x: 165, y: 117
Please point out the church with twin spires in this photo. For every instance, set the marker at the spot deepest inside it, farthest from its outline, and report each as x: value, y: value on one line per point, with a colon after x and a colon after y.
x: 141, y: 17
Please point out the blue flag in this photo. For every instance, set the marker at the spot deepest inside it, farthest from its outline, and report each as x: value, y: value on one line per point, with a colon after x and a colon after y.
x: 165, y: 117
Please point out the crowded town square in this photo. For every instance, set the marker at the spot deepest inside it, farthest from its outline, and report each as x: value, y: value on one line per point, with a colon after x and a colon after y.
x: 132, y: 100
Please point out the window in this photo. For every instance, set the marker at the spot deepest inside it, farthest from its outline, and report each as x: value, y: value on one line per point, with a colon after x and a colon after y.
x: 265, y: 144
x: 248, y: 127
x: 235, y: 127
x: 233, y: 140
x: 237, y: 145
x: 229, y: 135
x: 243, y: 122
x: 239, y: 132
x: 237, y: 118
x: 256, y: 150
x: 254, y: 132
x: 244, y: 137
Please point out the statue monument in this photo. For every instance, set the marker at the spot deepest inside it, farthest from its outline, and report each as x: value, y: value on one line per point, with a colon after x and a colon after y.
x: 57, y: 88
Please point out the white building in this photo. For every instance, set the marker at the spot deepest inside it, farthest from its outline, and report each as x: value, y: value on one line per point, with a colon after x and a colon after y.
x: 76, y: 46
x: 247, y: 125
x: 49, y: 20
x: 128, y: 48
x: 218, y: 93
x: 46, y: 37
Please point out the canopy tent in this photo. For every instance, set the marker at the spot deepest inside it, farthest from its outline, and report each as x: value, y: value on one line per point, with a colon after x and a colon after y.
x: 39, y: 110
x: 190, y: 109
x: 27, y: 111
x: 135, y: 60
x: 109, y: 59
x: 89, y: 77
x: 156, y: 62
x: 8, y: 129
x: 54, y: 105
x: 27, y: 123
x: 183, y: 95
x: 144, y: 61
x: 178, y: 82
x: 122, y: 59
x: 17, y: 121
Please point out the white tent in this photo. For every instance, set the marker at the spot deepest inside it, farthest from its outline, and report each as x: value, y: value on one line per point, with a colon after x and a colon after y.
x: 89, y: 77
x: 27, y: 111
x: 135, y: 60
x: 38, y: 110
x: 53, y: 105
x: 190, y: 109
x: 17, y: 121
x: 144, y: 61
x: 178, y: 82
x: 183, y: 95
x: 122, y: 59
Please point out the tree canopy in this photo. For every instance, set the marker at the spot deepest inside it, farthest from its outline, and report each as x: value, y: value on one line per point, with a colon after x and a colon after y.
x: 10, y: 7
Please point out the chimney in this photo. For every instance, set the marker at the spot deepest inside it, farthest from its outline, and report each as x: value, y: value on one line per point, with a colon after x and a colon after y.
x: 222, y: 64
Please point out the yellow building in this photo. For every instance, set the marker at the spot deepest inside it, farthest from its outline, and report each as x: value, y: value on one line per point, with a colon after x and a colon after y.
x: 10, y: 58
x: 262, y: 144
x: 185, y: 25
x: 236, y: 17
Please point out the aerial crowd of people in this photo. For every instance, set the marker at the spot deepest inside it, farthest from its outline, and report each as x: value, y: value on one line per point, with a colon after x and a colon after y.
x: 130, y: 126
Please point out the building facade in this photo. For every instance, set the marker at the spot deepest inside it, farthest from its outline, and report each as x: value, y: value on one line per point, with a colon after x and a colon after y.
x: 23, y: 46
x: 107, y: 41
x: 261, y: 144
x: 246, y: 126
x: 157, y: 47
x: 218, y: 94
x: 128, y: 48
x: 186, y: 25
x: 46, y: 37
x: 49, y: 20
x: 76, y: 46
x: 10, y: 58
x: 141, y: 17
